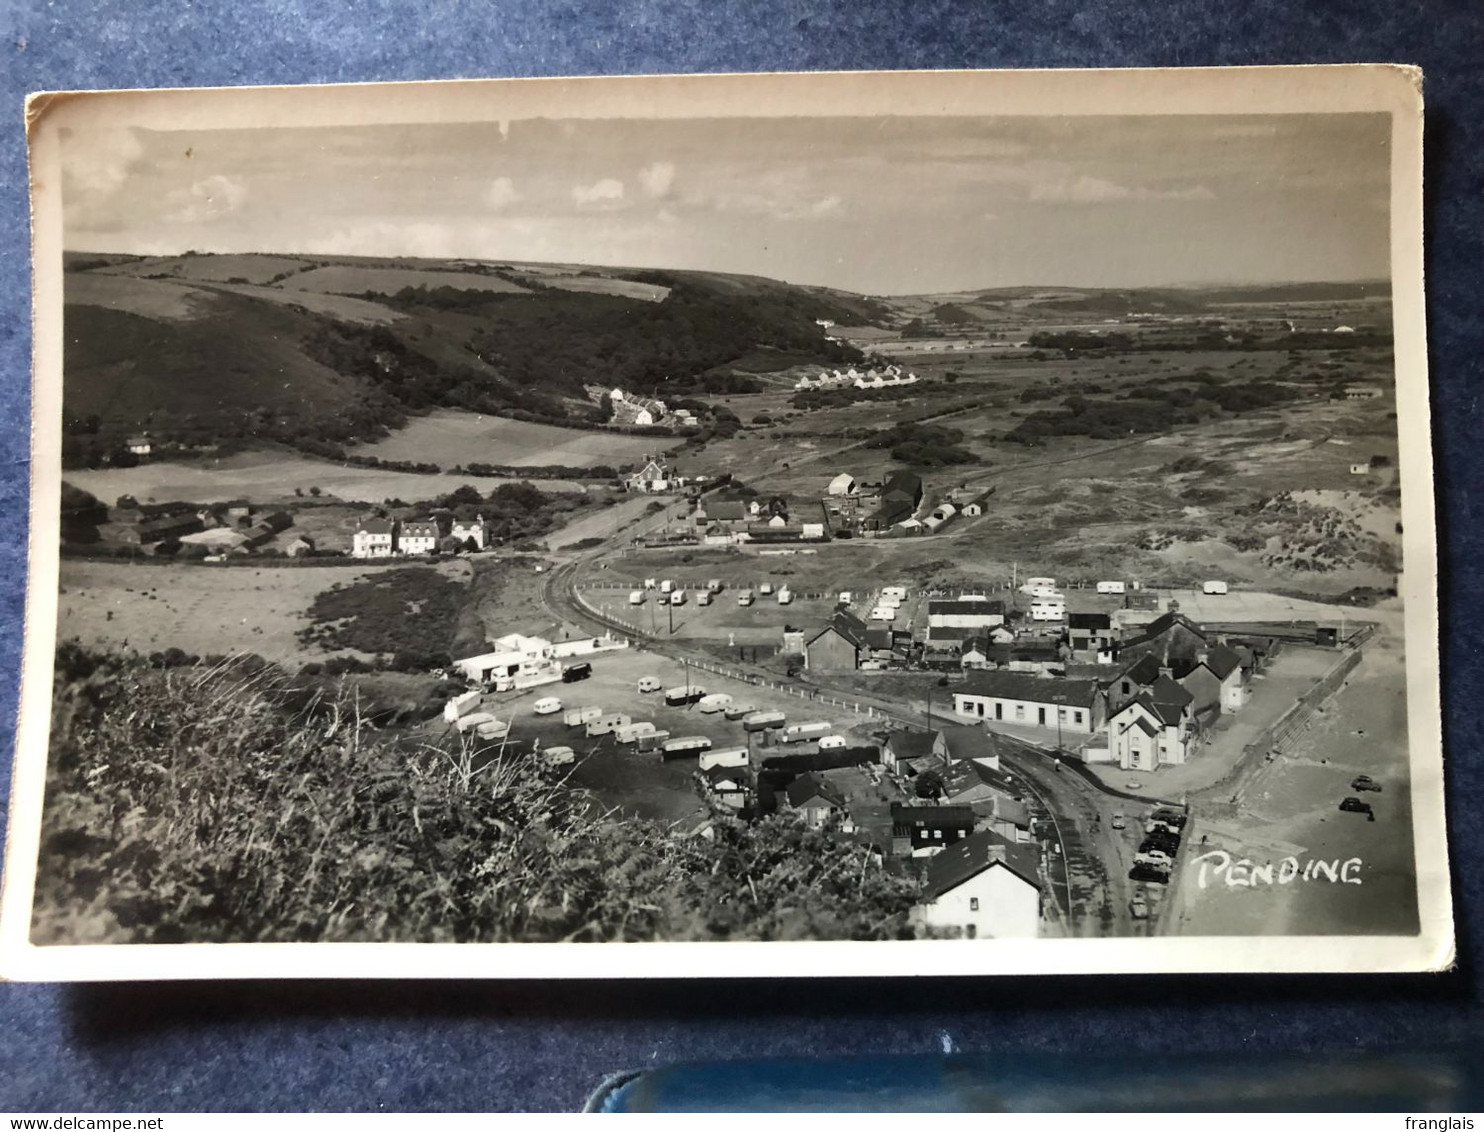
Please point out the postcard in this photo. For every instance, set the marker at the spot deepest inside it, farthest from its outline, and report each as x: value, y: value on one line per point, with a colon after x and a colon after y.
x: 825, y: 525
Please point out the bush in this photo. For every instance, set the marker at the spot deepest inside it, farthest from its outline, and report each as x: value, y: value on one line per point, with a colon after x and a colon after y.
x: 199, y: 806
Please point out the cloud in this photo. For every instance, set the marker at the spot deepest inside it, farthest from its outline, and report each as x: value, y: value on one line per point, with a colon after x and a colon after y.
x: 1087, y: 189
x: 97, y: 164
x: 607, y: 193
x: 501, y: 193
x: 657, y: 179
x: 206, y: 200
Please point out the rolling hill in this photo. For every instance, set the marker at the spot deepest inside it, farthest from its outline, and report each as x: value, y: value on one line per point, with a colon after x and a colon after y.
x: 324, y: 352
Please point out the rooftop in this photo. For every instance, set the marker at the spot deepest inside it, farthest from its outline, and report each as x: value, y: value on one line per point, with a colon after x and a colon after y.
x: 966, y: 859
x: 1034, y: 689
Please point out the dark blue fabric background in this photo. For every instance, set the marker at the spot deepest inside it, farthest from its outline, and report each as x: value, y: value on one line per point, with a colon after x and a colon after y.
x: 405, y: 1045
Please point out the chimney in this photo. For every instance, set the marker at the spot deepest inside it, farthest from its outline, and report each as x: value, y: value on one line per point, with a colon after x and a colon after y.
x: 996, y: 853
x: 1164, y: 670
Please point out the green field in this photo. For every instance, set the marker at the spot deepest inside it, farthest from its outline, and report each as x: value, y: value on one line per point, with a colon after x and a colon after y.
x: 450, y: 436
x: 268, y: 477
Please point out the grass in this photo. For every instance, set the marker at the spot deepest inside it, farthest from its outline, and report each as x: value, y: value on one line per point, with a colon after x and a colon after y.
x: 226, y: 803
x: 451, y: 436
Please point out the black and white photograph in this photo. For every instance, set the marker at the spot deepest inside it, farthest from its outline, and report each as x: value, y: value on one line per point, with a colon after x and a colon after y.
x: 982, y: 522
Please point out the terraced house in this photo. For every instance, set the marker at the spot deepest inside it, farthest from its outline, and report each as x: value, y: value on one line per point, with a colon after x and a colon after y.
x: 1076, y: 706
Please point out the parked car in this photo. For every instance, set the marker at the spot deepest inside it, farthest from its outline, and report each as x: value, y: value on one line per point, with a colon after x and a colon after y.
x: 1160, y: 843
x: 1149, y: 873
x: 649, y: 684
x: 548, y: 706
x: 1365, y: 782
x: 1173, y: 818
x: 1138, y: 908
x: 1356, y: 806
x: 1119, y: 821
x: 575, y: 672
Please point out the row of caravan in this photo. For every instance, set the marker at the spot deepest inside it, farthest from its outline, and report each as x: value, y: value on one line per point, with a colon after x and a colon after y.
x: 707, y: 596
x: 1046, y: 587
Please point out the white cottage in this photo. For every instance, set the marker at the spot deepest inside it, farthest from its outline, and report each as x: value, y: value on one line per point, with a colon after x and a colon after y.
x: 983, y: 887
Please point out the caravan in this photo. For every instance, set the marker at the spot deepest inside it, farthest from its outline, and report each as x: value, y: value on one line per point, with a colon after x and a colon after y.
x: 1051, y: 607
x: 1111, y: 587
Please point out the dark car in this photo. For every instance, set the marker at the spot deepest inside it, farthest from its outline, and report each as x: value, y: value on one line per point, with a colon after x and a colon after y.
x: 1170, y: 817
x: 1149, y: 873
x: 1356, y: 806
x: 575, y: 672
x: 1162, y: 842
x: 1365, y: 782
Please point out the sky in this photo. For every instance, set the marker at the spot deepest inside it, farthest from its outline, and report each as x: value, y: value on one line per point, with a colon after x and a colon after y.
x: 898, y: 205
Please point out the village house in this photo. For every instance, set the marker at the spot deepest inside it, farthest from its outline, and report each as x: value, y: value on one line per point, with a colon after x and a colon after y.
x: 973, y: 742
x: 910, y: 750
x: 814, y: 796
x: 375, y: 538
x: 140, y: 444
x: 1173, y: 639
x: 473, y: 532
x: 299, y: 547
x: 1145, y: 734
x: 418, y: 537
x: 729, y: 785
x: 728, y: 512
x: 921, y: 831
x: 1074, y: 706
x: 1216, y: 682
x: 839, y: 646
x: 1090, y: 632
x: 1362, y: 392
x: 902, y: 488
x: 653, y: 476
x: 982, y: 887
x: 967, y: 612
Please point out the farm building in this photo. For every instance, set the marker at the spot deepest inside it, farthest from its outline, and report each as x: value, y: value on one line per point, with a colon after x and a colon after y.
x: 1362, y: 392
x: 839, y: 646
x: 375, y: 538
x: 844, y: 484
x: 1038, y: 701
x: 299, y: 547
x: 168, y: 527
x: 903, y: 487
x: 983, y: 887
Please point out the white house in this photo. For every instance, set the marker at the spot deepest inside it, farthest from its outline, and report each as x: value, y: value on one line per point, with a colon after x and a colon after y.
x: 982, y: 887
x: 474, y: 530
x: 1074, y: 706
x: 375, y: 538
x: 652, y: 477
x: 1146, y: 735
x: 418, y: 537
x: 844, y: 484
x: 140, y: 445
